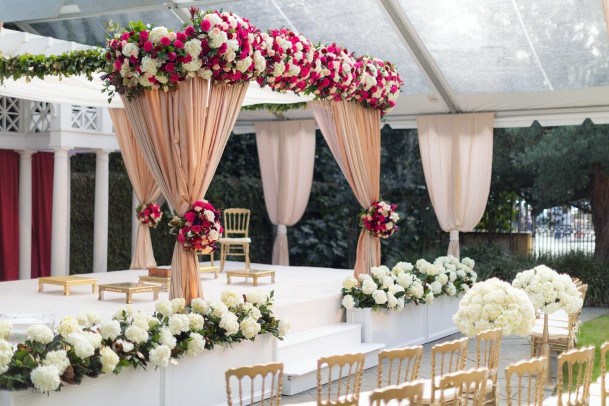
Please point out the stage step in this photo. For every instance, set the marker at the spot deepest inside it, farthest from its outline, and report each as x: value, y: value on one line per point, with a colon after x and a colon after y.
x: 300, y: 351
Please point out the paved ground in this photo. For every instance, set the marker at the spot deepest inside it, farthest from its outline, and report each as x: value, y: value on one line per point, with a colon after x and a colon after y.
x: 513, y: 349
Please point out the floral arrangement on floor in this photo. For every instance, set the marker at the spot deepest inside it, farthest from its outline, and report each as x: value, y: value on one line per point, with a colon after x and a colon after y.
x: 199, y: 228
x: 149, y: 214
x: 380, y: 219
x: 86, y: 346
x: 229, y: 49
x: 383, y: 288
x: 447, y: 275
x: 548, y: 290
x: 494, y: 303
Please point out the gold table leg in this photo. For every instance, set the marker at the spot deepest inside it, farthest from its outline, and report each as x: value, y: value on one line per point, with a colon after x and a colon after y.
x: 155, y: 294
x: 128, y: 298
x: 101, y: 294
x: 66, y: 290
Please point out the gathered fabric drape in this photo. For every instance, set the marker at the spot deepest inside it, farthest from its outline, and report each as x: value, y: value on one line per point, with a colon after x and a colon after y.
x: 144, y: 186
x: 9, y: 213
x: 43, y: 166
x: 457, y: 155
x: 286, y: 151
x: 182, y: 135
x: 353, y: 134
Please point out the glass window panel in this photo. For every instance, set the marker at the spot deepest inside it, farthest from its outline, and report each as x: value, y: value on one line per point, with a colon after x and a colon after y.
x: 92, y: 30
x: 359, y: 25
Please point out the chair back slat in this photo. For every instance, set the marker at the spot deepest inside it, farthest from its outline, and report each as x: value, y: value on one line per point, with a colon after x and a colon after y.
x: 573, y: 388
x: 530, y: 377
x: 401, y: 365
x: 350, y: 369
x: 604, y: 389
x: 470, y: 386
x: 410, y: 392
x: 236, y: 222
x: 253, y: 375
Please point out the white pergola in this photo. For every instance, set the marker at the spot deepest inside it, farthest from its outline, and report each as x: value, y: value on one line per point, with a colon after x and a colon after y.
x: 524, y: 60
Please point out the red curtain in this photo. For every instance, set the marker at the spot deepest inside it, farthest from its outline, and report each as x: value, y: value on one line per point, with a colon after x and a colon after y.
x: 9, y: 215
x: 42, y: 208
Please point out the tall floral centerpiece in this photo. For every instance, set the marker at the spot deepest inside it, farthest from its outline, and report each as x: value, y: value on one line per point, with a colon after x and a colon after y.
x: 549, y: 292
x: 494, y: 303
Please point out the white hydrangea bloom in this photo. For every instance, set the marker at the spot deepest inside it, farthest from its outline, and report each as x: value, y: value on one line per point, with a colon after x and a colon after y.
x: 131, y: 49
x: 468, y: 262
x: 160, y: 355
x: 230, y: 323
x: 386, y: 282
x: 109, y: 330
x: 348, y: 302
x: 5, y: 329
x: 379, y: 296
x: 83, y: 348
x: 436, y: 287
x: 392, y: 301
x: 429, y: 298
x: 250, y: 328
x: 405, y: 279
x: 6, y: 354
x: 402, y: 267
x: 179, y: 323
x: 218, y: 308
x: 450, y: 289
x: 109, y: 360
x: 442, y: 278
x: 45, y: 378
x: 193, y: 47
x: 157, y: 33
x: 40, y: 333
x: 178, y: 305
x: 230, y: 298
x: 67, y: 326
x: 252, y: 310
x: 350, y: 282
x: 136, y: 334
x: 166, y: 338
x: 369, y: 286
x: 140, y: 319
x: 197, y: 322
x: 196, y: 345
x: 549, y: 291
x: 379, y: 272
x: 199, y: 305
x: 123, y: 313
x: 164, y: 307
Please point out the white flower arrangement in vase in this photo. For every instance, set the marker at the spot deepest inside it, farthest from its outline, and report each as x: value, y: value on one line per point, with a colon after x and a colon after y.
x: 447, y: 275
x: 548, y: 290
x: 494, y: 303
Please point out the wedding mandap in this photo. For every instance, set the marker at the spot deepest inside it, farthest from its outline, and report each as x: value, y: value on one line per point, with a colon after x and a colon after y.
x: 165, y: 84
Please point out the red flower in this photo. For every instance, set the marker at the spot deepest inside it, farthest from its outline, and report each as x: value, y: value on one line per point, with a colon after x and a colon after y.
x: 125, y: 36
x: 196, y: 229
x: 189, y: 216
x: 148, y: 46
x: 174, y: 77
x: 171, y: 56
x: 190, y: 31
x: 205, y: 25
x: 117, y: 64
x: 165, y: 41
x: 169, y: 67
x: 143, y: 35
x: 222, y: 49
x: 178, y: 44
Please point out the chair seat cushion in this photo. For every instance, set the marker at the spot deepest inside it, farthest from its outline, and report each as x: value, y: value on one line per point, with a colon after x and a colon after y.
x: 449, y: 394
x: 242, y: 240
x: 553, y: 332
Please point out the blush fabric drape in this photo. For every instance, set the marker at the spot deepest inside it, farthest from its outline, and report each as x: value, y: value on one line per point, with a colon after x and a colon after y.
x: 144, y: 186
x: 606, y: 8
x: 286, y: 151
x: 43, y: 166
x: 457, y: 155
x: 182, y: 135
x: 9, y: 213
x: 353, y: 134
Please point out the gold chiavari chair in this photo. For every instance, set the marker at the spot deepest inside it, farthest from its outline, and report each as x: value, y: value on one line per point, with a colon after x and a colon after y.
x: 264, y: 382
x: 408, y: 393
x: 529, y: 377
x: 488, y: 348
x: 348, y: 380
x: 470, y: 387
x: 574, y: 376
x: 560, y: 339
x: 401, y: 365
x: 235, y: 241
x: 446, y: 358
x: 604, y: 376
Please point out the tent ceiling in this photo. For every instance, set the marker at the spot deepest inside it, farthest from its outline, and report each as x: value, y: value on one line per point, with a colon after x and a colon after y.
x: 523, y: 59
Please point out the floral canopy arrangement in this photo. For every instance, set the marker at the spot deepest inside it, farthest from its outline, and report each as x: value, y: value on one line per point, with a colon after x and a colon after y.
x: 548, y: 290
x: 494, y: 303
x: 87, y: 346
x: 229, y: 49
x: 405, y: 283
x: 380, y: 219
x: 149, y: 214
x: 199, y: 229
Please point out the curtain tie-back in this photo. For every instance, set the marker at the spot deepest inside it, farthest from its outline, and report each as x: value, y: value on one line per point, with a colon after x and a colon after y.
x: 282, y: 229
x: 454, y: 235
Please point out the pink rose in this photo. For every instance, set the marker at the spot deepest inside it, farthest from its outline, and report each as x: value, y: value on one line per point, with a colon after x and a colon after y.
x: 143, y: 35
x: 171, y: 56
x: 117, y: 64
x: 165, y: 41
x: 189, y: 31
x: 205, y: 25
x: 189, y: 216
x: 178, y: 44
x: 148, y: 46
x: 169, y: 67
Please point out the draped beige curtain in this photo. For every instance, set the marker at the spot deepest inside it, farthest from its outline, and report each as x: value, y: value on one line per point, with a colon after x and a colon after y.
x: 182, y: 135
x: 353, y: 134
x: 606, y: 8
x: 457, y: 156
x: 286, y: 151
x: 144, y: 186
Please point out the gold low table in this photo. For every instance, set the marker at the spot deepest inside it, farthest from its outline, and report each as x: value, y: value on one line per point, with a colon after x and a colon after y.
x: 210, y: 269
x: 254, y: 274
x: 66, y: 282
x: 128, y: 288
x: 156, y: 280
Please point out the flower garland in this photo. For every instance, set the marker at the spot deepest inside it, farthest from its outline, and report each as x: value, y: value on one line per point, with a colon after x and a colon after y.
x: 494, y: 303
x: 199, y: 229
x: 447, y: 275
x: 549, y: 291
x: 149, y: 214
x: 88, y: 346
x: 380, y: 219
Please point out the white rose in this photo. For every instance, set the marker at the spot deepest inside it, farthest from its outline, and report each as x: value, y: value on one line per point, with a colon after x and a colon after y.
x: 5, y: 329
x: 40, y: 333
x: 45, y: 378
x: 166, y: 338
x: 250, y: 328
x: 199, y: 305
x: 160, y: 355
x: 164, y: 307
x: 109, y: 330
x: 67, y: 326
x: 379, y: 296
x: 136, y: 334
x: 59, y: 359
x: 350, y: 283
x: 230, y: 323
x: 230, y: 298
x: 348, y: 302
x: 179, y: 323
x: 284, y: 326
x: 368, y: 287
x: 196, y: 345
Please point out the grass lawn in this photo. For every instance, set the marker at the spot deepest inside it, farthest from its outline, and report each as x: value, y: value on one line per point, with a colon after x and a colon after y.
x: 594, y: 332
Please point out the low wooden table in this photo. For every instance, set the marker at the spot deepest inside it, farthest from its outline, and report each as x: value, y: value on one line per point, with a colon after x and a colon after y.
x: 210, y: 269
x: 254, y: 274
x: 128, y: 288
x: 66, y: 282
x: 156, y: 280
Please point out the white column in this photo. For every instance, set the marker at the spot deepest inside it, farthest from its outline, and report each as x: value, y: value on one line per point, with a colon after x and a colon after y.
x: 25, y: 215
x: 59, y: 241
x: 134, y: 223
x: 100, y: 233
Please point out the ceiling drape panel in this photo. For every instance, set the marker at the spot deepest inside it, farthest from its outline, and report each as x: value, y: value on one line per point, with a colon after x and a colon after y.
x: 144, y: 186
x: 286, y: 151
x: 457, y: 154
x: 182, y: 135
x: 353, y: 134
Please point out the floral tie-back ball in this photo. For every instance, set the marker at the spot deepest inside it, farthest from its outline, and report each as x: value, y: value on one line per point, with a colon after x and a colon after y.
x: 380, y: 219
x: 149, y: 214
x: 199, y: 229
